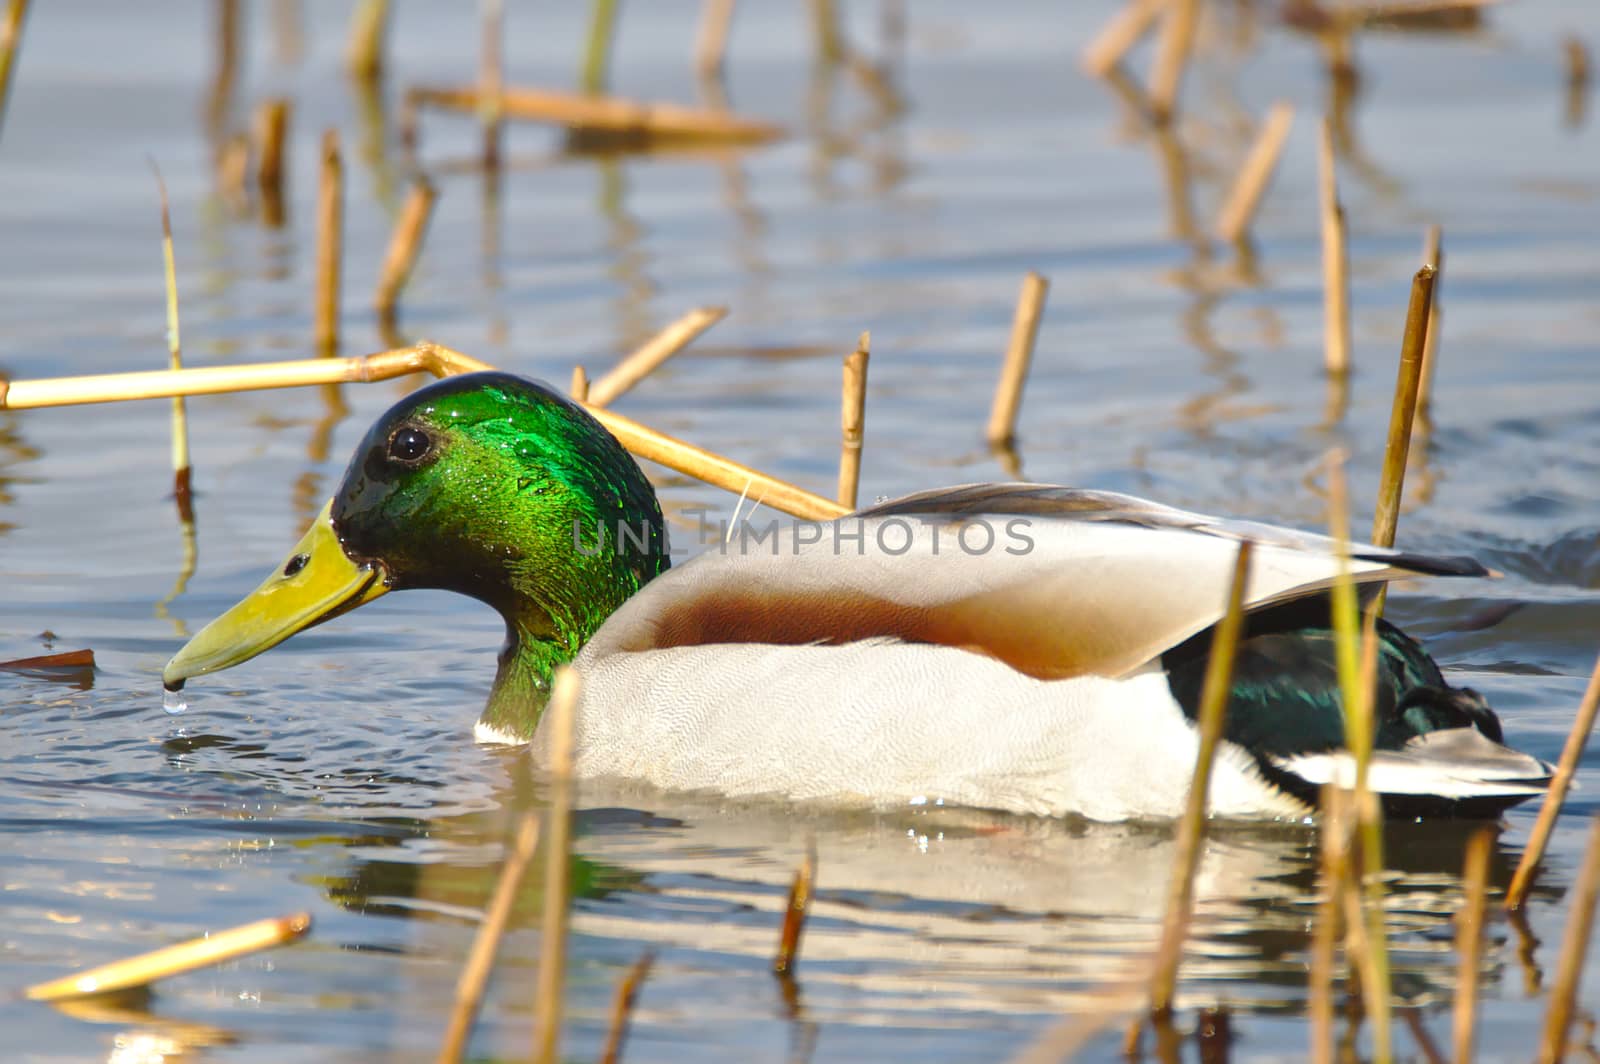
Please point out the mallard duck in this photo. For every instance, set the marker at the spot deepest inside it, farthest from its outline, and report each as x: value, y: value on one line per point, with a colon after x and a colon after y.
x: 1011, y: 646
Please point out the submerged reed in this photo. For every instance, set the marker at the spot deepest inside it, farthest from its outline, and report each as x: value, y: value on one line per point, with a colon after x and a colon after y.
x: 622, y: 1007
x: 795, y: 910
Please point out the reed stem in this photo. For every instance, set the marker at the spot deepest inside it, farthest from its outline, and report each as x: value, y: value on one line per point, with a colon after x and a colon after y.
x: 1402, y: 416
x: 1019, y: 356
x: 10, y: 44
x: 1335, y: 852
x: 490, y: 103
x: 852, y: 420
x: 1251, y: 185
x: 169, y: 961
x: 1335, y: 260
x: 560, y: 719
x: 405, y: 245
x: 597, y: 52
x: 1560, y: 784
x: 579, y: 388
x: 605, y: 114
x: 1469, y: 942
x: 795, y: 911
x: 711, y: 40
x: 330, y: 243
x: 622, y: 1007
x: 1214, y: 694
x: 271, y: 134
x: 1574, y: 947
x: 1119, y: 35
x: 647, y: 359
x: 1172, y: 55
x: 1432, y: 255
x: 480, y: 960
x: 369, y: 27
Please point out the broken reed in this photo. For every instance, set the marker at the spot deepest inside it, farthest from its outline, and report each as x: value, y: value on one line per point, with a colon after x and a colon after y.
x: 559, y: 720
x: 405, y: 244
x: 1574, y: 948
x: 474, y: 975
x: 852, y: 420
x: 1120, y: 34
x: 368, y: 28
x: 146, y: 968
x: 796, y: 908
x: 1191, y: 829
x: 330, y: 243
x: 603, y: 114
x: 1019, y: 355
x: 1469, y: 941
x: 622, y: 1006
x: 1244, y: 199
x: 10, y: 42
x: 271, y: 131
x: 644, y: 361
x: 1432, y: 255
x: 579, y: 388
x: 1335, y: 260
x: 182, y: 475
x: 643, y: 441
x: 1560, y: 784
x: 1366, y: 929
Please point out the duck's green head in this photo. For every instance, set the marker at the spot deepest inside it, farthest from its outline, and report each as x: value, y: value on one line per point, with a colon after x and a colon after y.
x: 487, y: 484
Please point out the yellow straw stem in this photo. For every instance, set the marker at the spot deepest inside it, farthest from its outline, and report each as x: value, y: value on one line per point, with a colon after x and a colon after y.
x: 1019, y: 356
x: 480, y: 961
x: 1250, y: 187
x: 364, y: 54
x: 330, y: 243
x: 1119, y: 35
x: 1432, y: 255
x: 643, y: 362
x: 405, y: 244
x: 1214, y: 694
x: 184, y: 957
x: 1469, y: 942
x: 1571, y: 754
x: 853, y: 420
x: 560, y: 717
x: 604, y: 114
x: 10, y: 42
x: 1335, y: 260
x: 579, y: 388
x: 1574, y: 947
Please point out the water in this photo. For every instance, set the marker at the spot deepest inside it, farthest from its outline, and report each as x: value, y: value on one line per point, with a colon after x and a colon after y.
x: 336, y: 774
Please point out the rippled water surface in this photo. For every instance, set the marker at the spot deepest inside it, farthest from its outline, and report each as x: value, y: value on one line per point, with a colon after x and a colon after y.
x: 338, y: 773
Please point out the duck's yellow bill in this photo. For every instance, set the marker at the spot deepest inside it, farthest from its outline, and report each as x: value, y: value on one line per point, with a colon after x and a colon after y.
x: 315, y: 583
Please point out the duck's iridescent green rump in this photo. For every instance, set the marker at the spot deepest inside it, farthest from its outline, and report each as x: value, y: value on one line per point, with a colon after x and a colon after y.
x: 1054, y: 680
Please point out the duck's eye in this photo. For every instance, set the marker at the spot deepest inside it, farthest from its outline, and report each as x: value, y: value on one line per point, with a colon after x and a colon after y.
x: 409, y: 445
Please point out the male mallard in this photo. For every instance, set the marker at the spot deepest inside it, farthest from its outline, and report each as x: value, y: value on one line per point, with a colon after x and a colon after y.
x: 1014, y: 646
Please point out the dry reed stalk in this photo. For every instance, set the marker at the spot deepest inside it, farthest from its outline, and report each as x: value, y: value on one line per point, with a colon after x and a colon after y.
x: 474, y: 975
x: 1172, y: 55
x: 597, y: 51
x: 219, y: 98
x: 1214, y: 694
x: 1119, y: 35
x: 1019, y: 355
x: 330, y: 243
x: 1335, y: 851
x: 441, y: 361
x: 271, y: 130
x: 182, y: 474
x: 364, y: 54
x: 10, y: 42
x: 579, y: 389
x: 1469, y: 942
x: 605, y: 114
x: 622, y: 1007
x: 67, y: 659
x: 1356, y: 658
x: 405, y: 244
x: 711, y: 39
x: 1251, y: 184
x: 233, y: 172
x: 825, y: 29
x: 560, y: 717
x: 795, y: 911
x: 1402, y: 416
x: 490, y: 103
x: 852, y: 420
x: 641, y: 363
x: 184, y: 957
x: 1574, y: 946
x: 1576, y: 58
x: 1432, y: 255
x: 1566, y: 768
x: 1335, y: 260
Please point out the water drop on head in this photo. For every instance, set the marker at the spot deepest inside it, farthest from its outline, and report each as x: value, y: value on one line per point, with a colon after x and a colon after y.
x: 174, y: 702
